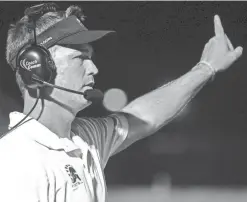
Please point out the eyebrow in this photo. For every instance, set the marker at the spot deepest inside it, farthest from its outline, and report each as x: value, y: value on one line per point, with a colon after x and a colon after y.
x: 86, y: 51
x: 73, y: 55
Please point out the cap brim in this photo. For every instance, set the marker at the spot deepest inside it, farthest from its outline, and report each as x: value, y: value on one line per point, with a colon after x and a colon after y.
x: 83, y: 37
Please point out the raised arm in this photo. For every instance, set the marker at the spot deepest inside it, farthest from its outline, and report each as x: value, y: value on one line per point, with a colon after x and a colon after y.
x: 155, y: 109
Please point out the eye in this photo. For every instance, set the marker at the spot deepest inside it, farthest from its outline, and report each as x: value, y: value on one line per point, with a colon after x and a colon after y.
x: 83, y: 57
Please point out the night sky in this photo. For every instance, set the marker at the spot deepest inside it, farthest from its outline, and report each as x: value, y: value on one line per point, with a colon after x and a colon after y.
x: 157, y: 42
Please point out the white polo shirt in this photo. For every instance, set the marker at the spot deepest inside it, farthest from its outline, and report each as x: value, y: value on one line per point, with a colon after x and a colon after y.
x: 38, y: 166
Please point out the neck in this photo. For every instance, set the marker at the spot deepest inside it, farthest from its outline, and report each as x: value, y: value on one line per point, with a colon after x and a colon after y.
x: 53, y: 116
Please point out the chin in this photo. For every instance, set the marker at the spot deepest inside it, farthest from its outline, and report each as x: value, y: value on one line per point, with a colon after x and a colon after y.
x: 85, y: 104
x: 88, y: 103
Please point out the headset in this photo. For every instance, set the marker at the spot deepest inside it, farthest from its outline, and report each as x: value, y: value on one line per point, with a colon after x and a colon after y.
x: 35, y: 65
x: 34, y: 62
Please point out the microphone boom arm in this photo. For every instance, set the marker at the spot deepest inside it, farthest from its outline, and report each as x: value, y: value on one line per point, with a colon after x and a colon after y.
x: 93, y: 95
x: 55, y: 86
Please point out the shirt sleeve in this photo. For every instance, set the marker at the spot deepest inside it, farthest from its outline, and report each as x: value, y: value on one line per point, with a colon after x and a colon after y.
x: 106, y: 133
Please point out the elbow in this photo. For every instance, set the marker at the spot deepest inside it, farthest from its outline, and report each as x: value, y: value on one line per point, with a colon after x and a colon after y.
x: 155, y: 123
x: 151, y: 122
x: 144, y: 120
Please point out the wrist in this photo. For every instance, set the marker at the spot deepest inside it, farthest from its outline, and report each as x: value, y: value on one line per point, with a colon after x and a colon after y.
x: 206, y: 68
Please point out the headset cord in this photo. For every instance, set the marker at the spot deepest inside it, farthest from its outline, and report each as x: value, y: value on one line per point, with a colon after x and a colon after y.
x: 22, y: 120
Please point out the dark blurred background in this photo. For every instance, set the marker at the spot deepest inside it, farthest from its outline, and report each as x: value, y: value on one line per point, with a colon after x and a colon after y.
x: 156, y: 43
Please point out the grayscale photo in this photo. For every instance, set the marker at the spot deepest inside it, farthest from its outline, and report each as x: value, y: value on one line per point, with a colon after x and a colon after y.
x: 123, y: 101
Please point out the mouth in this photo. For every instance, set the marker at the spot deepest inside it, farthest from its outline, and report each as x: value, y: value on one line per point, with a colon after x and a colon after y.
x: 91, y: 84
x: 88, y: 86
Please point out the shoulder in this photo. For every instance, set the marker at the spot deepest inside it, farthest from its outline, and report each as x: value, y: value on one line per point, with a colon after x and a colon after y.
x: 106, y: 120
x: 108, y: 123
x: 88, y: 123
x: 11, y: 141
x: 18, y: 151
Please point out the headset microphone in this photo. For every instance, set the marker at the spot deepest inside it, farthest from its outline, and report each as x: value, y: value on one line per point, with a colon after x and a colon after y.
x: 93, y: 95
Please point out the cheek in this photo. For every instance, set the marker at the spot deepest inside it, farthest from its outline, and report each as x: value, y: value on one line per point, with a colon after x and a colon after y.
x: 77, y: 72
x: 74, y: 74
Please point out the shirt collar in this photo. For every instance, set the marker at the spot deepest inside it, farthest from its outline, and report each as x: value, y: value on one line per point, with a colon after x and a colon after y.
x: 41, y: 134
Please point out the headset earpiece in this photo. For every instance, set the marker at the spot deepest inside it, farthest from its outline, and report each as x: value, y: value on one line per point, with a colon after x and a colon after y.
x: 35, y: 60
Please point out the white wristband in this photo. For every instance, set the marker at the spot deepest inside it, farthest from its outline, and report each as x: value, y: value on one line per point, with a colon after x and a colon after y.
x: 209, y: 66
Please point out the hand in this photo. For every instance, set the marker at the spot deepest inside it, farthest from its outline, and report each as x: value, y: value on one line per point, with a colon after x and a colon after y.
x: 219, y: 51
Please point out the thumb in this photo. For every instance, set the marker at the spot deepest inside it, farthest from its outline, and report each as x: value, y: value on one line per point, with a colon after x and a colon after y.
x: 235, y: 54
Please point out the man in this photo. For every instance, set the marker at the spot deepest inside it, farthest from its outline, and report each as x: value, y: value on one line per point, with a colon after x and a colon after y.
x: 61, y: 158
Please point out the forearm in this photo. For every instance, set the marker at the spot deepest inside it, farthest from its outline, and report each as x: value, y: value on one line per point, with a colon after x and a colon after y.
x: 163, y: 104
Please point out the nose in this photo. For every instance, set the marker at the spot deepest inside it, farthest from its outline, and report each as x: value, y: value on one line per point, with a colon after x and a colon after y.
x: 91, y: 68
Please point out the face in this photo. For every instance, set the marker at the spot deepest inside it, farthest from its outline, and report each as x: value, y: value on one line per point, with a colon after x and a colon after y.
x: 75, y: 71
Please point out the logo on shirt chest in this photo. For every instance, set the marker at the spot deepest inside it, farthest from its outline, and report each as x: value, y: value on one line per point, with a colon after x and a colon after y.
x: 76, y: 180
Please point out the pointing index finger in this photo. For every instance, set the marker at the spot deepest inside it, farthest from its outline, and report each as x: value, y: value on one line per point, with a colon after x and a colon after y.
x: 218, y: 28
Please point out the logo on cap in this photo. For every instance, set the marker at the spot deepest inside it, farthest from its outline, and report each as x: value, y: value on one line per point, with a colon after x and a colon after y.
x: 29, y: 65
x: 45, y: 41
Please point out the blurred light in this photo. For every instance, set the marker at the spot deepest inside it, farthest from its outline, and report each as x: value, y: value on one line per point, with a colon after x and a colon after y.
x: 115, y: 99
